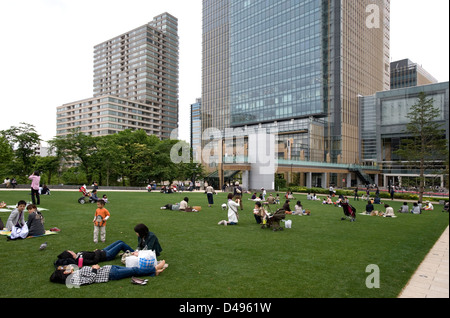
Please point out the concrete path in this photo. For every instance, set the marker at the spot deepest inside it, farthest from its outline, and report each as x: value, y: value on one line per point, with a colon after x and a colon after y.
x: 431, y: 280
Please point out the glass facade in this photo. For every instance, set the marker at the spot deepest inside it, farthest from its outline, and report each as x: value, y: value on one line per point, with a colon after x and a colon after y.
x: 405, y: 73
x: 288, y: 61
x: 276, y: 60
x: 196, y: 130
x: 384, y: 118
x: 215, y: 65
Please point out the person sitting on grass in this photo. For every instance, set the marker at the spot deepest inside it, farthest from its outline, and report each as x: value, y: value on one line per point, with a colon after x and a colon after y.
x: 94, y: 198
x: 147, y: 240
x: 298, y: 209
x: 286, y: 207
x: 233, y: 215
x: 369, y: 207
x: 416, y: 209
x: 428, y: 206
x: 259, y: 212
x: 35, y: 221
x: 91, y: 258
x: 182, y: 206
x: 404, y: 208
x: 389, y: 211
x: 95, y: 274
x: 377, y: 200
x: 16, y: 216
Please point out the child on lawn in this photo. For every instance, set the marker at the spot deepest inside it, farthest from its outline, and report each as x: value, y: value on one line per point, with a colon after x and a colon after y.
x: 100, y: 218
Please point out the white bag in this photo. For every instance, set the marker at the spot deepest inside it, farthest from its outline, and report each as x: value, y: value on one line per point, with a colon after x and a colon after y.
x: 131, y: 261
x: 146, y: 259
x: 288, y: 224
x: 19, y: 232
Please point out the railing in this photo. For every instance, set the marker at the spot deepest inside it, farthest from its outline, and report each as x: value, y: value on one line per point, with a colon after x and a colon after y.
x: 302, y: 163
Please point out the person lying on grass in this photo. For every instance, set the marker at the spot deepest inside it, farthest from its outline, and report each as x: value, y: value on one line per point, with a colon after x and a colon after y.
x: 91, y: 258
x: 95, y: 274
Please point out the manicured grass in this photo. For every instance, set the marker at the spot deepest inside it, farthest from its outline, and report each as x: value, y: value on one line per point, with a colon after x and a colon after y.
x: 320, y: 256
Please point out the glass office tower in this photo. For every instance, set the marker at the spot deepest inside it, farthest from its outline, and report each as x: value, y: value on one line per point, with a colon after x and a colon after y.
x: 297, y: 65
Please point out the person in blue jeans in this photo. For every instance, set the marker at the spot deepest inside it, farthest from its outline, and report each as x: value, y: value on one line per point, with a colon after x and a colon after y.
x: 95, y: 274
x: 92, y: 258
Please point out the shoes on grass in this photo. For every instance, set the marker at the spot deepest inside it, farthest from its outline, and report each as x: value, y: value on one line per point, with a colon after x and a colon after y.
x: 138, y: 281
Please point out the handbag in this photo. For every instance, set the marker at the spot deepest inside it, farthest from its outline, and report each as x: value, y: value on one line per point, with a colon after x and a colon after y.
x: 124, y: 256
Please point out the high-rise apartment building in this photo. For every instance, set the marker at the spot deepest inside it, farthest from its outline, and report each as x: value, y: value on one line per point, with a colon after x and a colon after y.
x: 135, y: 83
x: 297, y: 66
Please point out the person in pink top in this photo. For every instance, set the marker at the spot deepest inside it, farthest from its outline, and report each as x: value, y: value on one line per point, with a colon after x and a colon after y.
x: 35, y: 180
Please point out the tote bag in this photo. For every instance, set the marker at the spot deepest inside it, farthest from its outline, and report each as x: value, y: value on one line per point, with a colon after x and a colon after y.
x: 146, y: 259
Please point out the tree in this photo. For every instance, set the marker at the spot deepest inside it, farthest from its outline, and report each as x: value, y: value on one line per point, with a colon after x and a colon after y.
x: 427, y: 143
x: 48, y: 165
x: 6, y: 157
x: 24, y: 140
x: 77, y: 148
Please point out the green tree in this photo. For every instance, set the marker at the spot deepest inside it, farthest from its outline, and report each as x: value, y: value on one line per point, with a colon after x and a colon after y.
x: 48, y: 166
x: 135, y: 155
x: 24, y: 140
x: 76, y: 149
x: 6, y: 157
x: 427, y: 143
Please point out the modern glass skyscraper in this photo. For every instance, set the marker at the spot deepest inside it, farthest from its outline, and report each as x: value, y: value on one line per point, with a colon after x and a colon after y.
x: 298, y: 65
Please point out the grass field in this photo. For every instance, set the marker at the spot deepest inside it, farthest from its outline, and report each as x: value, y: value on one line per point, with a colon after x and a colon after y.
x: 319, y: 257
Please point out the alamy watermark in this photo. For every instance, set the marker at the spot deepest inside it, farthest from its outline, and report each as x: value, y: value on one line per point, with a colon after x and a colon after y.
x: 255, y: 146
x: 373, y: 280
x: 373, y: 18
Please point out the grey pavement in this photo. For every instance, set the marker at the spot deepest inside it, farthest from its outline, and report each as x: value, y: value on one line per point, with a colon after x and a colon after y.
x: 431, y: 279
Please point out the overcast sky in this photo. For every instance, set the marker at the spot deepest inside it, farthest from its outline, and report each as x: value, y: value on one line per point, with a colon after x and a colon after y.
x: 47, y: 49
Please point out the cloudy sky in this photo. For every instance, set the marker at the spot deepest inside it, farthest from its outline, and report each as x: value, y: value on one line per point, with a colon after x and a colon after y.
x: 47, y: 49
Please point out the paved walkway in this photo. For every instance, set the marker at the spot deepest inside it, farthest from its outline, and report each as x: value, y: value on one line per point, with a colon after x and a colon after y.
x: 431, y: 279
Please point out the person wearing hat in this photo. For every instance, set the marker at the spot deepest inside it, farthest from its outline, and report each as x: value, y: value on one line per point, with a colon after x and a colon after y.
x: 238, y: 194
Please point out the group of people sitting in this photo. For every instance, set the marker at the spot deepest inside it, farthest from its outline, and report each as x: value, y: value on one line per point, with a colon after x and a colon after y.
x: 337, y: 203
x: 34, y: 226
x: 417, y: 207
x: 68, y: 272
x: 370, y: 210
x: 270, y: 199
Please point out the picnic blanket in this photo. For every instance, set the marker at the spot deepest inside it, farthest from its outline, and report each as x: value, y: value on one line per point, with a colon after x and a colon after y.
x: 5, y: 210
x: 12, y: 207
x: 362, y: 213
x: 47, y: 232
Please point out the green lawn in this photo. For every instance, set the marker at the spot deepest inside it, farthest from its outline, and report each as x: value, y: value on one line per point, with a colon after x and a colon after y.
x: 319, y: 257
